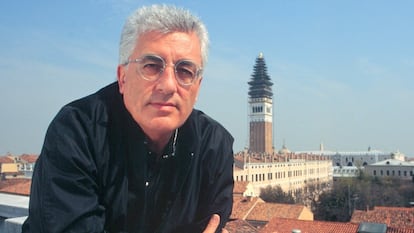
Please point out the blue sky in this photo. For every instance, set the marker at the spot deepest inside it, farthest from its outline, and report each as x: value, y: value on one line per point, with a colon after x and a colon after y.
x: 342, y: 70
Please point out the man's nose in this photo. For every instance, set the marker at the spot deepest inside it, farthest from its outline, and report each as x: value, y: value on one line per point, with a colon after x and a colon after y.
x: 167, y: 82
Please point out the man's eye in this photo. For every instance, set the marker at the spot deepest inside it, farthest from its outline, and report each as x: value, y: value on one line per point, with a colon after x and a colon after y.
x: 152, y: 67
x: 185, y: 72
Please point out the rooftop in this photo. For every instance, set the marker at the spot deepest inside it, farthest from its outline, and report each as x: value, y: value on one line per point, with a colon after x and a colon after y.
x: 240, y: 226
x: 16, y: 186
x: 266, y: 211
x: 392, y: 216
x: 29, y: 158
x: 285, y: 225
x: 392, y: 162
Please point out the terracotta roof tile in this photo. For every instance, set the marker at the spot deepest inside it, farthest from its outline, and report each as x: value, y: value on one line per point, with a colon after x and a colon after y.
x: 16, y: 186
x: 242, y: 206
x: 266, y: 211
x: 399, y: 230
x: 29, y: 158
x: 284, y: 225
x: 5, y: 159
x: 392, y: 216
x: 240, y: 187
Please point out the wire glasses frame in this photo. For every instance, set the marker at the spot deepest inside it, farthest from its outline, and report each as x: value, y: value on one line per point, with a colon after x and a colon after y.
x: 150, y: 68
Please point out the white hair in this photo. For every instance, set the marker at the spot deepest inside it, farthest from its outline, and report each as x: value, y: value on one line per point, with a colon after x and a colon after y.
x: 163, y: 19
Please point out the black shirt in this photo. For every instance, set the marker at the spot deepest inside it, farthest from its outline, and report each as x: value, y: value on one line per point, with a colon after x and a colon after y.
x: 96, y: 174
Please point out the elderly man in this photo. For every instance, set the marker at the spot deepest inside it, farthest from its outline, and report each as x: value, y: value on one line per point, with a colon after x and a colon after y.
x: 135, y: 156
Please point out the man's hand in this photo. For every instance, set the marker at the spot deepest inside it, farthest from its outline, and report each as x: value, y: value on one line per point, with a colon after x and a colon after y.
x: 213, y: 224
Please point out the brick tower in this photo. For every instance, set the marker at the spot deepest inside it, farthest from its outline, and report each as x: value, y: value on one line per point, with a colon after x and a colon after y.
x: 260, y: 109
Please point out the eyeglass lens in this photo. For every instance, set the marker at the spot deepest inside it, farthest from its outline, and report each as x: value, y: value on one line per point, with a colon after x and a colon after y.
x: 150, y: 67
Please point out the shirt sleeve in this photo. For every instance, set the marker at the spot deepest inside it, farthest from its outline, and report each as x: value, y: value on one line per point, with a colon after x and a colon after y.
x: 65, y: 192
x: 220, y: 180
x: 216, y: 191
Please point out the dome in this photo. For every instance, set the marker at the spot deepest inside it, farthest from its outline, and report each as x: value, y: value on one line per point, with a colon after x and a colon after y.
x: 284, y: 150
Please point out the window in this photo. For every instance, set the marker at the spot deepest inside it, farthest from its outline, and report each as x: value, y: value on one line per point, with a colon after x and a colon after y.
x: 257, y: 109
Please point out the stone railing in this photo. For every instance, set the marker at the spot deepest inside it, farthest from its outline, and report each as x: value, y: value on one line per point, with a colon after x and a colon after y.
x: 13, y: 212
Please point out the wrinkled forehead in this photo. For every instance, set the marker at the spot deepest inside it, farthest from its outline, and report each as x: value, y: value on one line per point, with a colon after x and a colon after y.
x: 170, y: 46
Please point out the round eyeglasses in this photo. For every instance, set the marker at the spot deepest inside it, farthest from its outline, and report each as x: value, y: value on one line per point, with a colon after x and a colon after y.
x: 150, y: 67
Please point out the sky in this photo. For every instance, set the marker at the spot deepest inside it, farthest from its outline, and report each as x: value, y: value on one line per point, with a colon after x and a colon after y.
x: 342, y: 70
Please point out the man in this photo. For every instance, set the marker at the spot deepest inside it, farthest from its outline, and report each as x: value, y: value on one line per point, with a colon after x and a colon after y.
x: 135, y: 156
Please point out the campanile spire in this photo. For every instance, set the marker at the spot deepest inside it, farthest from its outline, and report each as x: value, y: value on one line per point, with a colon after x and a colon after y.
x: 260, y: 105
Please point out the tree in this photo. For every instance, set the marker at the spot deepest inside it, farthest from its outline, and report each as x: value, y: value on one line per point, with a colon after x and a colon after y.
x: 275, y: 194
x: 361, y: 193
x: 334, y: 205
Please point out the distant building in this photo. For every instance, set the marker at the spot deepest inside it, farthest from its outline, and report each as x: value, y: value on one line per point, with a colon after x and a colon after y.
x: 345, y: 172
x: 356, y: 158
x: 17, y: 166
x: 290, y: 171
x: 8, y: 167
x: 260, y: 109
x: 27, y: 163
x: 391, y: 168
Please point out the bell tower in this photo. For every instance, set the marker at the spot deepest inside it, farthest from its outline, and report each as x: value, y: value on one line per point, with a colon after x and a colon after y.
x: 260, y: 109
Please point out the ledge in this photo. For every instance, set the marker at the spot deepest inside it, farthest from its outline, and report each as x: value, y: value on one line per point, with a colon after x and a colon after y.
x: 13, y: 212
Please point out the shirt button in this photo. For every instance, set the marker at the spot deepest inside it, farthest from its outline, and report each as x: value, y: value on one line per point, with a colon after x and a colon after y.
x: 146, y: 183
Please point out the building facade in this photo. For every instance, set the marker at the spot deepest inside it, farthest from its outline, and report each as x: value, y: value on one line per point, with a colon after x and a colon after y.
x: 356, y: 158
x: 393, y: 168
x: 291, y: 172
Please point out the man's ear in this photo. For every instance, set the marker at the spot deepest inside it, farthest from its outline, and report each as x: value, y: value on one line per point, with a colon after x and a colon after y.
x: 121, y: 76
